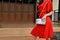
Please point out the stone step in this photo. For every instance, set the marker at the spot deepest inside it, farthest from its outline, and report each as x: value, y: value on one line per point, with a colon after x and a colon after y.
x: 15, y: 34
x: 17, y: 38
x: 19, y: 33
x: 15, y: 31
x: 16, y: 25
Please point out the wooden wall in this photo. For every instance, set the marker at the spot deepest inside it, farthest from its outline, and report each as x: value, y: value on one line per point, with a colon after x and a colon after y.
x: 16, y: 12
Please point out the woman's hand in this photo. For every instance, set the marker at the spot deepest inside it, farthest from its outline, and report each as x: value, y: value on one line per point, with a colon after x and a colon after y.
x: 44, y: 17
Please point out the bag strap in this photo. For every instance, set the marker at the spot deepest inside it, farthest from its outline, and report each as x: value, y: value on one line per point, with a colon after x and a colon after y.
x: 43, y: 8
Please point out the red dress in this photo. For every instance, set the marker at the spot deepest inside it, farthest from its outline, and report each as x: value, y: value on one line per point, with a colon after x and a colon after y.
x: 44, y: 31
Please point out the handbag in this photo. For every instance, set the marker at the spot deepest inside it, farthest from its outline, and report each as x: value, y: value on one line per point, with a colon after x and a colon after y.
x: 41, y: 21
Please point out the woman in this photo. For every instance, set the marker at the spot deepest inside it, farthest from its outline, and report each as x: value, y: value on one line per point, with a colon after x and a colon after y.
x: 44, y: 31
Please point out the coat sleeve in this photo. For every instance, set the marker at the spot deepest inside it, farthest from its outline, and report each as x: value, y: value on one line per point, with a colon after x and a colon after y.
x: 49, y: 6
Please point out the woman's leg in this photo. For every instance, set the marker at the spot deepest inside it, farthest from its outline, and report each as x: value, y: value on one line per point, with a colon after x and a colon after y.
x: 35, y: 38
x: 48, y: 39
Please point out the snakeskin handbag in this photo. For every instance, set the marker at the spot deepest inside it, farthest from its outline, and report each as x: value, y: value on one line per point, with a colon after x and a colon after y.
x: 41, y: 21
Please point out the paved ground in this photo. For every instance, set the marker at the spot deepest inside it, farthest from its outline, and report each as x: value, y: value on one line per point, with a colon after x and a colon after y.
x: 20, y: 31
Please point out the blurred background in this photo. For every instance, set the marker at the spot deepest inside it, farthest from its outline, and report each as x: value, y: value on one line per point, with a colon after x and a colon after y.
x: 17, y: 18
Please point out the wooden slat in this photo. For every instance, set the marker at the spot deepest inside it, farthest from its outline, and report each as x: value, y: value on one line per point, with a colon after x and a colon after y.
x: 18, y: 17
x: 31, y: 8
x: 5, y: 16
x: 11, y: 17
x: 5, y: 6
x: 0, y: 16
x: 18, y: 7
x: 12, y: 7
x: 25, y: 7
x: 25, y: 17
x: 31, y: 17
x: 0, y: 6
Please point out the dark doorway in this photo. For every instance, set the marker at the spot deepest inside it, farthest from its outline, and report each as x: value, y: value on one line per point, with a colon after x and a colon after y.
x: 59, y: 12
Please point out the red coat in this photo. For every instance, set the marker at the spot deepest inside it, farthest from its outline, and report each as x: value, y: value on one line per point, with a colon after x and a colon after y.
x: 44, y: 31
